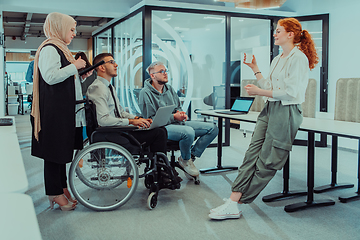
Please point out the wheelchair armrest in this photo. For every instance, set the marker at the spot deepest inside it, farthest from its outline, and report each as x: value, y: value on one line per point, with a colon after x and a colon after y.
x: 116, y: 128
x: 122, y: 130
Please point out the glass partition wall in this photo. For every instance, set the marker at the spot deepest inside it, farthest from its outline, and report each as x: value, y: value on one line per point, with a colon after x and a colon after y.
x: 128, y: 55
x: 251, y: 37
x: 182, y: 42
x: 315, y: 29
x: 203, y: 51
x: 103, y: 42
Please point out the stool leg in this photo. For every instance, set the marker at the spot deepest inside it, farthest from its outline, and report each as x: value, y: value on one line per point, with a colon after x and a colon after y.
x: 172, y: 158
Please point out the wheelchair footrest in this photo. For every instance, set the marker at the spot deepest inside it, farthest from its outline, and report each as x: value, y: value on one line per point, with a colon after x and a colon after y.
x: 124, y: 178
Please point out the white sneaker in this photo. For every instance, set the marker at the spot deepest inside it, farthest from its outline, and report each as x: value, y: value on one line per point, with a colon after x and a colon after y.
x: 191, y: 163
x: 217, y: 208
x: 189, y: 167
x: 226, y: 211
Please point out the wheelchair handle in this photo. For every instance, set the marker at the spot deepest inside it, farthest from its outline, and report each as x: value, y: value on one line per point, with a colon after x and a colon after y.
x: 91, y: 68
x: 81, y: 101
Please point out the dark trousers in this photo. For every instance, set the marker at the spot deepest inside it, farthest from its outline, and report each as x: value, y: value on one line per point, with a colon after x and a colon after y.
x: 155, y: 138
x: 55, y: 178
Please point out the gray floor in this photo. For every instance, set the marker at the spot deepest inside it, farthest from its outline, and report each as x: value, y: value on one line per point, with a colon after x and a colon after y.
x: 183, y: 213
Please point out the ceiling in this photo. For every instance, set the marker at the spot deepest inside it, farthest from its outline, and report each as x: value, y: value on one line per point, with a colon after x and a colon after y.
x: 256, y: 4
x: 22, y: 25
x: 29, y: 23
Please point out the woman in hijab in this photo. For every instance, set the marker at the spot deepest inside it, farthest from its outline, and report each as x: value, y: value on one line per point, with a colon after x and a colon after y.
x: 56, y: 126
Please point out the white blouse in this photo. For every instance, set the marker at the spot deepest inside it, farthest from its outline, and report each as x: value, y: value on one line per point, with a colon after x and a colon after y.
x: 288, y: 78
x: 51, y: 71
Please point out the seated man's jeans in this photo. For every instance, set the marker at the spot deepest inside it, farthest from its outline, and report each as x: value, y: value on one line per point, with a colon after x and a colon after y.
x: 186, y: 134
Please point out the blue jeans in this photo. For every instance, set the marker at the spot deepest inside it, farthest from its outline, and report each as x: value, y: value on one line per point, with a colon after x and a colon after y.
x: 185, y: 135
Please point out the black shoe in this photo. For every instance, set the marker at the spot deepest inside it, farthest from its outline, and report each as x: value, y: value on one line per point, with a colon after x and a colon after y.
x: 178, y: 179
x: 168, y: 179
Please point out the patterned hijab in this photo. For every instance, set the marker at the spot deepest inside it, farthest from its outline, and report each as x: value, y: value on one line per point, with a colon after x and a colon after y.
x: 56, y: 27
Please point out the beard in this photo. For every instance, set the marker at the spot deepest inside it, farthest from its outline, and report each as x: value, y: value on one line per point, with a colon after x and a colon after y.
x: 114, y: 74
x: 161, y: 82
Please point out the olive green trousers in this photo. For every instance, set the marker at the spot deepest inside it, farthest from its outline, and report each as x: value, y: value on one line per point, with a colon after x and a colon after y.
x: 272, y: 139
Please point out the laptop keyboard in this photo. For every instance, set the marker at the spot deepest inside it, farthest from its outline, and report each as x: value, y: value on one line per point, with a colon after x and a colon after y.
x: 6, y: 121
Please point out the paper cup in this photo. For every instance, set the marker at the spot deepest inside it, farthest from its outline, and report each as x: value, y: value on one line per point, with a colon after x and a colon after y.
x: 248, y: 58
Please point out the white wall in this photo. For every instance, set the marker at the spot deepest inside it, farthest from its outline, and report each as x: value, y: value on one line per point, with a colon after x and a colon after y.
x: 343, y: 38
x: 344, y: 41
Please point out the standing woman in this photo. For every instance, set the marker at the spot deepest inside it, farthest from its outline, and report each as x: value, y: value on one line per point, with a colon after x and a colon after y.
x: 56, y: 128
x: 280, y: 119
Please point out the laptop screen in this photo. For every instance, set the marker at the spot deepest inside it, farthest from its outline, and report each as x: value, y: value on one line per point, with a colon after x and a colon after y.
x: 242, y: 104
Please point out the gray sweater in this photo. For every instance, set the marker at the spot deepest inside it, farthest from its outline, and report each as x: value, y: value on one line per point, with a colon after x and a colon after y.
x: 151, y: 99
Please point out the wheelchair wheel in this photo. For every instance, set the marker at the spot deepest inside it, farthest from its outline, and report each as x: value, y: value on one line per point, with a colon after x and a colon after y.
x: 152, y: 200
x: 103, y: 176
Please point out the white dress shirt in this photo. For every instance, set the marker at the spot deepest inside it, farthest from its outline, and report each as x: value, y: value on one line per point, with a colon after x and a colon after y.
x: 288, y: 78
x: 100, y: 94
x: 51, y: 71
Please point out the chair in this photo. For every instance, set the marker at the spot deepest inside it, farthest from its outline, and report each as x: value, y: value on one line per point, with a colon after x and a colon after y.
x: 347, y: 100
x: 104, y: 175
x: 309, y: 105
x: 347, y: 108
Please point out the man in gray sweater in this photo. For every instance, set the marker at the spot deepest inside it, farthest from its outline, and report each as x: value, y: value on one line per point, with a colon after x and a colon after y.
x: 158, y: 93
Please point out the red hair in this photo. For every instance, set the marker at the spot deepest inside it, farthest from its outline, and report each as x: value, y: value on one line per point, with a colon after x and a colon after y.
x: 302, y: 38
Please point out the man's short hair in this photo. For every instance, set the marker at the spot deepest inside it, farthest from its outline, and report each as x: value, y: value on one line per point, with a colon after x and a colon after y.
x: 152, y: 66
x: 100, y: 57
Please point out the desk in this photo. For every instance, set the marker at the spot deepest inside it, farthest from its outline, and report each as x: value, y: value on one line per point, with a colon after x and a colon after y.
x: 13, y: 177
x: 18, y: 218
x: 250, y: 117
x: 312, y: 126
x: 335, y: 129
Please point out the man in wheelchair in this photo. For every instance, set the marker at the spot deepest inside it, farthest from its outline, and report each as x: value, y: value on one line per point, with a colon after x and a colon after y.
x: 109, y: 112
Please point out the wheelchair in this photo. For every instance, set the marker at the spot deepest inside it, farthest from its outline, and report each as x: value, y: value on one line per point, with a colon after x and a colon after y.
x: 104, y: 175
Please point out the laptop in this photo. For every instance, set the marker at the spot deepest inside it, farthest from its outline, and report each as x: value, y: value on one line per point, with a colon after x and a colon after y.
x: 161, y: 117
x: 6, y: 121
x: 241, y: 105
